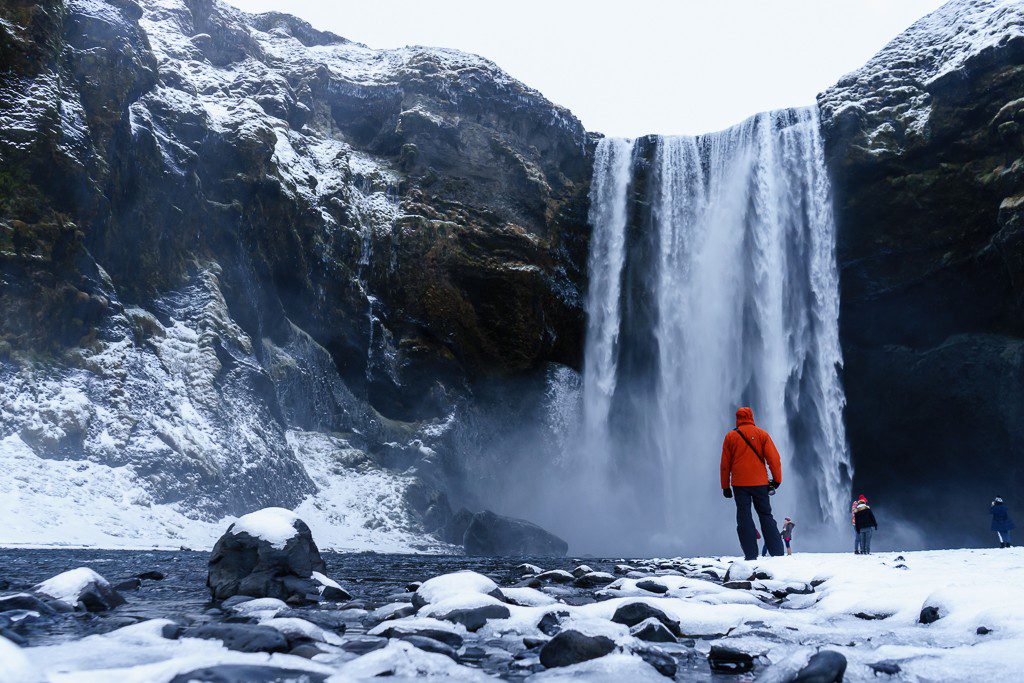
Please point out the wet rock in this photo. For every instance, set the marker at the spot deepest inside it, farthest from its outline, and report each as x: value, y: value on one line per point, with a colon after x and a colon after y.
x: 572, y: 647
x: 327, y: 619
x: 582, y: 569
x: 526, y: 569
x: 551, y: 622
x: 633, y: 613
x: 244, y: 564
x: 929, y: 614
x: 25, y: 601
x: 886, y: 667
x: 151, y: 575
x: 132, y: 584
x: 623, y: 569
x: 236, y: 600
x: 652, y: 631
x: 431, y: 645
x: 871, y: 617
x: 400, y: 632
x: 306, y: 650
x: 662, y: 662
x: 248, y: 673
x: 413, y: 587
x: 363, y: 644
x: 983, y: 631
x: 532, y: 643
x: 241, y: 637
x: 729, y: 660
x: 492, y: 534
x: 739, y: 585
x: 593, y: 580
x: 476, y: 617
x: 652, y: 586
x: 826, y: 666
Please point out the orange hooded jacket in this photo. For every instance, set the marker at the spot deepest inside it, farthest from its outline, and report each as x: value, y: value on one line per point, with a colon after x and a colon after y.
x: 739, y: 462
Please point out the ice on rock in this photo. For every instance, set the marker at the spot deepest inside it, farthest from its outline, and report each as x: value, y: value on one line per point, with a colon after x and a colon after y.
x: 402, y: 660
x: 293, y: 627
x: 274, y: 525
x: 260, y: 607
x: 527, y: 597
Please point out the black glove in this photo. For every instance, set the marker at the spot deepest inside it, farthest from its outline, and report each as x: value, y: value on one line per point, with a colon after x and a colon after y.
x: 775, y: 485
x: 727, y: 493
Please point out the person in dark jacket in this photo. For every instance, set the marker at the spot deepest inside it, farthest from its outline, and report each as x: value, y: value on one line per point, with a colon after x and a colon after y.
x: 864, y: 522
x: 1001, y: 522
x: 748, y: 453
x: 787, y: 534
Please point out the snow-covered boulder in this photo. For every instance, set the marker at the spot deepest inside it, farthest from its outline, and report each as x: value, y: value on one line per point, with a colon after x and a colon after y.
x: 15, y: 667
x: 456, y: 584
x: 267, y: 553
x: 80, y: 589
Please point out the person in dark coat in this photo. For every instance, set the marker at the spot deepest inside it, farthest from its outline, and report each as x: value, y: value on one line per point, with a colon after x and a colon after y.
x: 1001, y: 522
x: 864, y: 522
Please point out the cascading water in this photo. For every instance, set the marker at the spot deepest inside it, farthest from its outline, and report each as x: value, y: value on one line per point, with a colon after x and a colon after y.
x: 713, y: 284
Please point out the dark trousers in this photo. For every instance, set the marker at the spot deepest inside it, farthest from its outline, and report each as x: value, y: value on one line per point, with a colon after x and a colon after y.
x: 758, y: 495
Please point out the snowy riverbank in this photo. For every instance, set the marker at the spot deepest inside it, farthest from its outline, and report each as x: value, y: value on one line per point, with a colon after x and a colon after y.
x: 779, y: 611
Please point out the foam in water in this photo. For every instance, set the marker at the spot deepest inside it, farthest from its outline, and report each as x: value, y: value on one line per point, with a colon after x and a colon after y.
x: 713, y: 284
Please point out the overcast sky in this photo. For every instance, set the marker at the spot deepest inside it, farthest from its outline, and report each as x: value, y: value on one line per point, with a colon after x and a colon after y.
x: 638, y: 66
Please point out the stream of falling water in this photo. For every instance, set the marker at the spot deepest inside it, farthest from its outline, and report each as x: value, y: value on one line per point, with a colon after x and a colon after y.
x: 713, y: 284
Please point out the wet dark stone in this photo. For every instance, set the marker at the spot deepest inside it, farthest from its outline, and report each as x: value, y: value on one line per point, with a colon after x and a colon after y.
x: 489, y: 533
x: 151, y: 575
x: 871, y: 617
x: 929, y: 615
x: 448, y: 638
x: 97, y: 597
x: 652, y: 586
x: 555, y: 576
x: 305, y: 650
x: 475, y: 618
x: 633, y: 613
x: 431, y: 645
x: 738, y: 585
x: 572, y: 647
x: 983, y: 630
x: 593, y: 580
x: 826, y: 666
x: 25, y: 601
x: 364, y: 644
x: 236, y: 600
x: 662, y: 662
x: 729, y: 660
x: 248, y: 673
x: 335, y: 594
x: 551, y: 622
x: 326, y: 619
x: 531, y: 642
x: 886, y: 667
x: 132, y: 584
x: 241, y: 637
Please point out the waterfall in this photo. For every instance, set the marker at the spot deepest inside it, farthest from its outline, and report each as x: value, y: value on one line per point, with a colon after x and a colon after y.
x: 713, y: 284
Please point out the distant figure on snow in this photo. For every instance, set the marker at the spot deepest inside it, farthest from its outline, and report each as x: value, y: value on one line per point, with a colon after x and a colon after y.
x: 853, y: 522
x: 787, y: 534
x: 747, y: 455
x: 865, y: 524
x: 1001, y: 522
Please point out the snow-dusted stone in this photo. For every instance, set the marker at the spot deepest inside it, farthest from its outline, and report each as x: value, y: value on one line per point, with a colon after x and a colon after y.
x: 652, y: 586
x: 403, y: 661
x: 474, y: 618
x: 267, y: 553
x: 662, y: 662
x: 431, y: 645
x: 570, y: 647
x: 24, y: 601
x: 623, y: 569
x: 525, y: 596
x: 527, y: 569
x: 652, y: 631
x: 582, y: 569
x: 428, y: 628
x: 81, y: 589
x: 826, y: 666
x: 739, y: 571
x: 725, y: 659
x: 329, y: 589
x: 634, y: 613
x: 452, y: 585
x: 556, y: 576
x: 260, y: 608
x: 493, y: 534
x: 593, y: 579
x: 241, y: 637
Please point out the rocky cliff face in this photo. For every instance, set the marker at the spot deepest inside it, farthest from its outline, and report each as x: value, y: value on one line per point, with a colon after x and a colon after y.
x: 926, y: 144
x: 226, y: 240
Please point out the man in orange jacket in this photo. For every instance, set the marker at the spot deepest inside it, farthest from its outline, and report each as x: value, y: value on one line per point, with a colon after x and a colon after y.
x: 747, y: 455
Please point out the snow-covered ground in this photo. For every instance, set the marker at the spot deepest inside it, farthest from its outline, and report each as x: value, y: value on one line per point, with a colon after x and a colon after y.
x: 867, y: 608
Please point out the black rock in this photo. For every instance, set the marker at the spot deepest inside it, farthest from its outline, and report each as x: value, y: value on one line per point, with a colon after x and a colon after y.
x: 151, y: 576
x: 455, y: 529
x: 413, y: 587
x: 171, y: 631
x: 531, y: 642
x: 593, y: 580
x: 652, y: 631
x: 431, y: 645
x: 364, y: 644
x: 929, y: 615
x: 241, y: 564
x: 132, y: 584
x: 662, y: 662
x: 551, y: 622
x: 241, y: 637
x: 738, y: 585
x: 983, y: 630
x: 572, y: 647
x: 826, y: 666
x: 555, y: 576
x: 885, y: 667
x: 306, y: 650
x: 25, y: 601
x: 248, y: 673
x: 729, y: 660
x: 871, y: 617
x: 335, y: 594
x: 492, y: 534
x: 652, y: 586
x: 633, y: 613
x: 447, y: 637
x: 474, y: 618
x: 326, y: 619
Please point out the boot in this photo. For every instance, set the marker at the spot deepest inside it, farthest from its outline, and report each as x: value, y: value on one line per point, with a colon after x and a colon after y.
x: 789, y: 551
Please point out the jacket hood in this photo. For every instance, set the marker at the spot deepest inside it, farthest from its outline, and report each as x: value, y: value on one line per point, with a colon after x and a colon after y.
x: 744, y: 416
